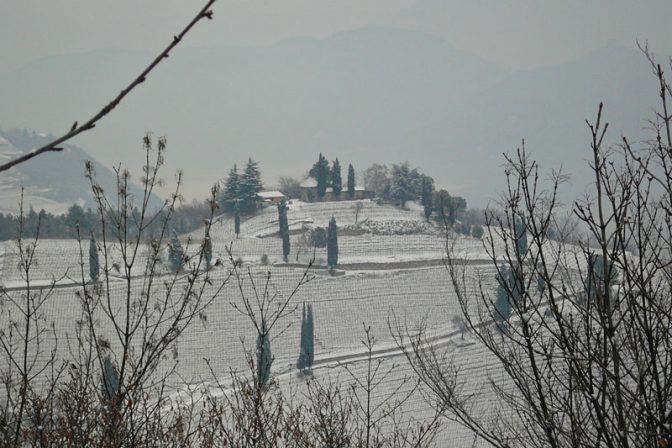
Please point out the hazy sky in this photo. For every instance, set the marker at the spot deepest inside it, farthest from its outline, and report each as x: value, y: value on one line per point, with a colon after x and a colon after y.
x: 513, y: 33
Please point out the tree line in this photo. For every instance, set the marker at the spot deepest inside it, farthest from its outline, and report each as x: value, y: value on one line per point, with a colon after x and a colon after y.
x: 330, y: 177
x: 184, y: 219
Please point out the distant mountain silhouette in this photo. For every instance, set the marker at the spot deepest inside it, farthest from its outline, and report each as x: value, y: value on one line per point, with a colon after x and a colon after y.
x: 372, y: 94
x: 53, y: 181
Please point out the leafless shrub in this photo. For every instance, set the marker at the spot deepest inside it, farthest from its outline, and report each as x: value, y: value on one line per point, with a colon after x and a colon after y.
x: 581, y: 358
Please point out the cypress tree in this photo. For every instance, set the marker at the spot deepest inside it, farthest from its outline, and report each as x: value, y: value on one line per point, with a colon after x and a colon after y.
x: 502, y: 304
x: 336, y: 181
x: 94, y: 263
x: 332, y: 243
x: 310, y: 337
x: 236, y: 220
x: 264, y: 356
x: 207, y: 251
x: 594, y: 283
x: 175, y: 253
x: 285, y: 245
x: 282, y: 209
x: 521, y: 236
x: 508, y: 294
x: 320, y: 172
x: 110, y: 380
x: 284, y: 228
x: 306, y: 353
x: 302, y: 361
x: 351, y: 181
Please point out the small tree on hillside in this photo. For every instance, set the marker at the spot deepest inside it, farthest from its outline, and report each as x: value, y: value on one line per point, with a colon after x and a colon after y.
x: 175, y: 253
x: 405, y: 184
x: 236, y: 221
x: 286, y: 247
x: 264, y: 356
x: 358, y: 208
x: 320, y: 172
x: 332, y: 244
x: 507, y: 295
x: 306, y: 353
x: 594, y: 283
x: 447, y: 207
x: 427, y: 192
x: 301, y: 362
x: 94, y: 263
x: 521, y: 236
x: 231, y: 192
x: 284, y: 228
x: 477, y: 231
x: 318, y: 237
x: 336, y: 180
x: 110, y: 382
x: 77, y: 220
x: 207, y: 250
x: 377, y: 179
x: 310, y: 339
x: 351, y: 181
x: 249, y: 186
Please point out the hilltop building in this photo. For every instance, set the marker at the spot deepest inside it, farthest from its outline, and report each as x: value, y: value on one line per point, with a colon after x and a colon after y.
x: 270, y: 197
x: 309, y: 192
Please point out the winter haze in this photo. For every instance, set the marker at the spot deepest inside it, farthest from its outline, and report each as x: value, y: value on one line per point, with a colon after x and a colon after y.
x: 447, y: 85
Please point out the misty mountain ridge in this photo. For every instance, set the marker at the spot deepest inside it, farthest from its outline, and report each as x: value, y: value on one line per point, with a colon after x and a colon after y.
x: 53, y: 181
x: 367, y: 95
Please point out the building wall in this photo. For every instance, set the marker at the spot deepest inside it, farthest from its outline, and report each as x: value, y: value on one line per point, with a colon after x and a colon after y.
x: 309, y: 194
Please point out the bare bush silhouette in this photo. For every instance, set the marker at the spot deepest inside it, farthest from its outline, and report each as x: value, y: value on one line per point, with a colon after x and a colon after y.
x: 582, y: 359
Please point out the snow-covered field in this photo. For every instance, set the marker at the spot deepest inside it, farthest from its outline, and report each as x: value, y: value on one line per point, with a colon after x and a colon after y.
x: 375, y: 285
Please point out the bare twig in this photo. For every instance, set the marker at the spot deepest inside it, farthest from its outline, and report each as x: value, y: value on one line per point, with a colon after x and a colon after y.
x: 77, y: 129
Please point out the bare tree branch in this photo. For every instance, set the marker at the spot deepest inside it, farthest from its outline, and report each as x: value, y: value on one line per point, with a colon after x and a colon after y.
x: 76, y: 129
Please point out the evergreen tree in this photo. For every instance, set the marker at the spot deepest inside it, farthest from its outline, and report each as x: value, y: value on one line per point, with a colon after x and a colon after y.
x: 264, y: 356
x: 284, y: 228
x: 427, y: 192
x: 282, y: 216
x: 175, y: 253
x: 351, y: 181
x: 320, y: 172
x: 332, y: 243
x: 231, y: 190
x: 285, y: 245
x: 477, y: 232
x: 317, y: 237
x: 110, y: 380
x: 236, y: 221
x: 306, y: 353
x: 310, y: 338
x: 521, y: 236
x: 447, y: 207
x: 249, y: 186
x: 302, y: 361
x: 207, y: 251
x: 94, y: 263
x: 336, y: 181
x: 508, y: 294
x: 406, y: 183
x: 594, y: 283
